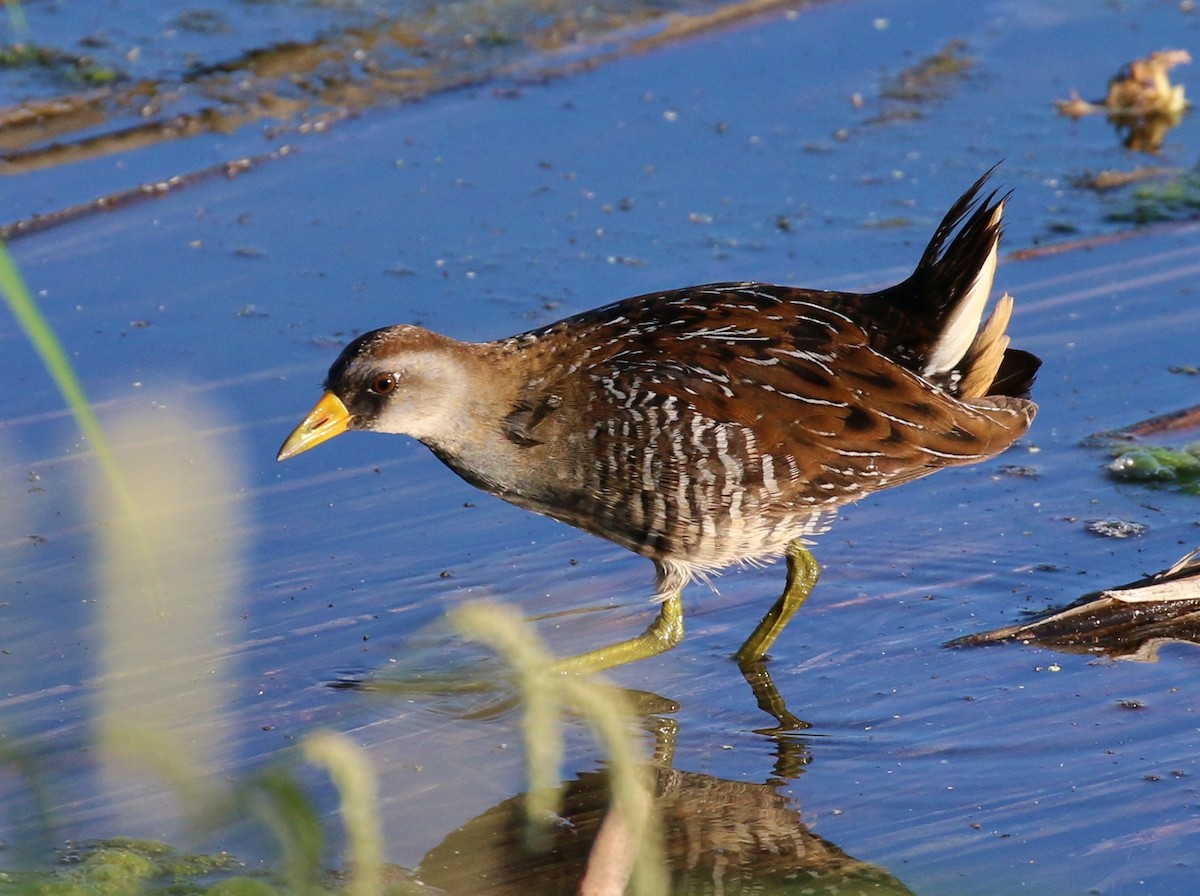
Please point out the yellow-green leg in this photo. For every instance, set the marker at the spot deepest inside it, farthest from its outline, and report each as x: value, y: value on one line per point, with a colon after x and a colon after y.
x: 667, y: 629
x: 802, y: 574
x: 770, y: 700
x: 663, y: 633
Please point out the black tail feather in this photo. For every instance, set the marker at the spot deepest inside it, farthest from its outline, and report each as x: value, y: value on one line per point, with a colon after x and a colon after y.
x: 946, y: 272
x: 913, y: 312
x: 1017, y: 372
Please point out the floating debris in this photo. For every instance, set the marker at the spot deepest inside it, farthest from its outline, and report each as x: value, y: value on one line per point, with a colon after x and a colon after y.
x: 1143, y: 89
x: 1107, y: 180
x: 1142, y: 103
x: 929, y: 80
x: 1116, y: 528
x: 1173, y: 421
x: 1127, y: 622
x: 1020, y: 471
x: 140, y: 193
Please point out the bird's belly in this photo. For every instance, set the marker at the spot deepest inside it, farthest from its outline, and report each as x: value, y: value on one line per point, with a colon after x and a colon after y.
x: 650, y: 523
x: 702, y: 495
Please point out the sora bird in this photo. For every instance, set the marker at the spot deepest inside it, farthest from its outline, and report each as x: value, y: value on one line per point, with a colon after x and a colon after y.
x: 712, y: 425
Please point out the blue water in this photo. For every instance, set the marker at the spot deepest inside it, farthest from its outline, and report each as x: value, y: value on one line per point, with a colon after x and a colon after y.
x: 481, y: 213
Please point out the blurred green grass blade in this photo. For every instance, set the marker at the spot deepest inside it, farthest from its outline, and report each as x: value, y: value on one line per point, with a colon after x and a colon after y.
x: 354, y: 777
x: 278, y: 801
x: 45, y: 343
x: 16, y: 16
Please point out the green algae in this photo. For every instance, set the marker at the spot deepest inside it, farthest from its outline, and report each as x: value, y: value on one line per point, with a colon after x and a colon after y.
x: 242, y: 886
x: 68, y: 68
x: 128, y: 867
x: 1179, y: 467
x: 125, y: 867
x: 1176, y: 199
x: 930, y: 78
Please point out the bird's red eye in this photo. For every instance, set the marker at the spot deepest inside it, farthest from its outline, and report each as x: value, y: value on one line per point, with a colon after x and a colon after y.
x: 383, y: 384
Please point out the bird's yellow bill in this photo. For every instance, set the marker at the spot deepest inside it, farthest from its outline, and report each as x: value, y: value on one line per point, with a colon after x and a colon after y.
x: 328, y: 419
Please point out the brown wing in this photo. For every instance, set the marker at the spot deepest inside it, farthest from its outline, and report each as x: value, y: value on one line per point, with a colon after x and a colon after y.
x: 836, y: 416
x: 730, y: 419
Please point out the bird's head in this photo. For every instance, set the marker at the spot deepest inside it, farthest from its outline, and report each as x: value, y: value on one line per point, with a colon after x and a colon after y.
x: 400, y: 379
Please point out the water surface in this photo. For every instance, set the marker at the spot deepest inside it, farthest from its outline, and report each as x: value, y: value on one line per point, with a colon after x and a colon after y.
x: 739, y: 154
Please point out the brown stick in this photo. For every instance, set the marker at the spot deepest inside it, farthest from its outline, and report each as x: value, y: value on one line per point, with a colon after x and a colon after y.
x: 140, y: 193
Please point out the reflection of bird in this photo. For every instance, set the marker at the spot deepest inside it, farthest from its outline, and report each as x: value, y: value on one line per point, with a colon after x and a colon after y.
x: 719, y: 837
x: 711, y: 425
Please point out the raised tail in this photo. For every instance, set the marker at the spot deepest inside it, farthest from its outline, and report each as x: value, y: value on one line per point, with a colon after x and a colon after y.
x: 944, y: 300
x: 957, y: 282
x: 990, y: 367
